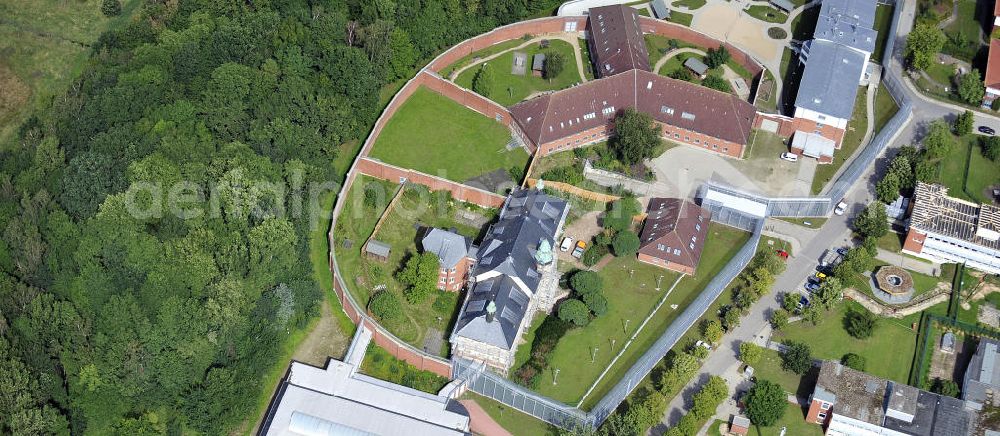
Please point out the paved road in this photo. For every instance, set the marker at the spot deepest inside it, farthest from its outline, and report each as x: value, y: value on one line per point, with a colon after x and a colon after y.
x: 835, y: 232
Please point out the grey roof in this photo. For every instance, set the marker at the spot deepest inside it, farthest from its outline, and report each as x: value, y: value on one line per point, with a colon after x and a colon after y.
x: 846, y: 31
x: 785, y: 5
x: 741, y: 421
x: 339, y: 400
x: 506, y: 271
x: 829, y: 83
x: 378, y: 248
x: 859, y: 12
x: 813, y: 145
x: 983, y: 374
x: 538, y: 62
x: 948, y: 341
x: 527, y: 217
x: 902, y: 400
x: 511, y: 306
x: 935, y: 415
x: 660, y: 9
x: 449, y: 247
x: 696, y: 65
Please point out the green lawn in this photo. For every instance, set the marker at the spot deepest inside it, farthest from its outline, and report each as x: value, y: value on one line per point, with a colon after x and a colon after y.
x: 509, y: 89
x: 44, y: 45
x: 814, y: 223
x: 967, y: 173
x: 588, y: 65
x: 889, y: 352
x: 680, y: 18
x: 966, y: 25
x: 690, y: 4
x: 657, y: 46
x: 765, y: 145
x: 856, y: 128
x: 356, y: 222
x: 488, y: 51
x: 885, y: 107
x: 767, y: 13
x: 769, y: 368
x: 794, y: 422
x: 883, y: 19
x: 805, y: 23
x: 512, y: 420
x: 435, y: 135
x: 630, y: 290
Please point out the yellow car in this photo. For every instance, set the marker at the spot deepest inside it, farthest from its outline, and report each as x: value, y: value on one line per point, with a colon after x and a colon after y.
x: 820, y: 276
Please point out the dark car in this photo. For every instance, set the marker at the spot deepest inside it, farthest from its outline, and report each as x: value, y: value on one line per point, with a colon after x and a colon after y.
x: 842, y: 251
x: 987, y: 130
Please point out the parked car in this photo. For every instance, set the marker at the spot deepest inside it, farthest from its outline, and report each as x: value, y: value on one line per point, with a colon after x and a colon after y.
x: 841, y: 208
x: 842, y: 251
x: 812, y: 287
x: 791, y: 157
x: 987, y: 130
x: 567, y: 243
x: 820, y: 276
x: 803, y: 302
x: 580, y: 247
x: 703, y: 344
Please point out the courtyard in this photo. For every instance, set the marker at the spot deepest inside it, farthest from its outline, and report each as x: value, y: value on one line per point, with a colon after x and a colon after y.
x: 510, y: 88
x: 435, y: 135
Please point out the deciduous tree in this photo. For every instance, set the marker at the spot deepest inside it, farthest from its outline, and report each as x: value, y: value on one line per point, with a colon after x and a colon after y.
x: 635, y: 136
x: 923, y: 44
x: 574, y: 311
x: 766, y: 403
x: 750, y: 353
x: 796, y: 357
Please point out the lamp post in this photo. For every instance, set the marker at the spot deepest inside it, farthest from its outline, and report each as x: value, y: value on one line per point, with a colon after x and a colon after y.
x: 626, y: 326
x: 555, y: 377
x: 593, y: 354
x: 613, y: 345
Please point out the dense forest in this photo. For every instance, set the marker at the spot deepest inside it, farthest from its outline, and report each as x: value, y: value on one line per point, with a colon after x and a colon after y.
x: 155, y: 218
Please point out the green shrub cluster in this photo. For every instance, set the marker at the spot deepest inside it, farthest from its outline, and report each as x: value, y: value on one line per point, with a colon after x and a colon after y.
x: 546, y: 338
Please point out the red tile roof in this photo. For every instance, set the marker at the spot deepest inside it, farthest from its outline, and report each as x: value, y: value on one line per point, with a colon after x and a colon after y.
x: 674, y: 102
x: 616, y: 40
x: 675, y: 231
x: 993, y: 64
x: 996, y: 9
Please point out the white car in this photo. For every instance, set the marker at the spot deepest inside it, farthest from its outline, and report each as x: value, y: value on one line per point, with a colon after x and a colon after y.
x: 791, y: 157
x: 841, y: 208
x: 567, y: 243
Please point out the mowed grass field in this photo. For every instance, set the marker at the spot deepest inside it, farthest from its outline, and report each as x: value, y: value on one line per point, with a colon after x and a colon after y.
x: 433, y: 134
x: 509, y: 89
x: 888, y: 353
x: 44, y: 45
x: 629, y: 286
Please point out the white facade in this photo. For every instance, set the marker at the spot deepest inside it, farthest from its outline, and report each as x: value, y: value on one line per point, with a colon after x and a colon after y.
x: 942, y: 249
x: 812, y: 115
x: 843, y: 426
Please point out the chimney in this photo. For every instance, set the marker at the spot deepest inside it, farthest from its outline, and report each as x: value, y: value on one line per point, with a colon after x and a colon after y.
x: 491, y: 311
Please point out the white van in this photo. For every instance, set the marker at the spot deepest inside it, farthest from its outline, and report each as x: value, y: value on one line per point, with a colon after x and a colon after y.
x: 567, y: 243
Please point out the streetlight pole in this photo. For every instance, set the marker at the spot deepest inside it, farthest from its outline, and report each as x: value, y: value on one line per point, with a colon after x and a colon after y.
x: 626, y: 326
x: 555, y: 377
x: 613, y: 345
x: 593, y: 354
x: 658, y: 279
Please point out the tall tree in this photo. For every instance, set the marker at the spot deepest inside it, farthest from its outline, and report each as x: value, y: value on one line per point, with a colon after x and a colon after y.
x: 766, y: 403
x: 922, y: 44
x: 554, y: 64
x: 636, y: 136
x: 971, y: 89
x: 482, y: 83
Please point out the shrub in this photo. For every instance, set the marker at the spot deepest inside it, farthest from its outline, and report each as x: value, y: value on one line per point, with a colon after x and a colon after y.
x: 385, y: 306
x: 586, y: 282
x: 945, y: 387
x: 872, y: 222
x: 750, y: 353
x: 111, y: 8
x: 716, y: 57
x: 991, y: 147
x: 765, y: 403
x: 596, y: 302
x: 593, y: 254
x: 711, y: 330
x: 574, y: 311
x: 717, y: 83
x: 554, y: 64
x: 420, y: 276
x: 546, y: 338
x: 796, y: 358
x: 777, y: 33
x: 482, y: 83
x: 861, y: 323
x: 779, y: 319
x: 625, y: 244
x: 853, y: 361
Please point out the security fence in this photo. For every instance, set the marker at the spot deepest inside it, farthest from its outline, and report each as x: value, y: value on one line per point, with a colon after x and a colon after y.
x: 490, y: 385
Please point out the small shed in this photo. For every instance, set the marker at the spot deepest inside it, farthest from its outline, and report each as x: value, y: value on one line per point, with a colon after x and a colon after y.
x: 948, y: 343
x: 377, y: 250
x: 783, y: 5
x: 538, y: 64
x: 697, y: 66
x: 660, y: 9
x: 739, y: 425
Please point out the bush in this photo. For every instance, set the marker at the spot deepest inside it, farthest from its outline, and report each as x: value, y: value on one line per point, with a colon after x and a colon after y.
x: 593, y: 254
x: 779, y: 319
x: 872, y: 222
x: 717, y: 83
x: 777, y: 33
x: 990, y: 146
x: 796, y: 358
x: 853, y: 361
x: 570, y: 174
x: 765, y: 403
x: 945, y: 387
x: 385, y: 306
x: 861, y: 323
x: 111, y: 8
x: 586, y: 282
x: 626, y: 244
x: 965, y: 120
x: 546, y: 338
x: 716, y: 57
x: 750, y: 353
x: 554, y: 64
x: 711, y: 330
x: 574, y: 311
x: 596, y: 302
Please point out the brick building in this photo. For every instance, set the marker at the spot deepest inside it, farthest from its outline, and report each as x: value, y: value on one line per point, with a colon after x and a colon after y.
x: 616, y: 42
x: 673, y: 234
x: 687, y: 113
x: 456, y: 256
